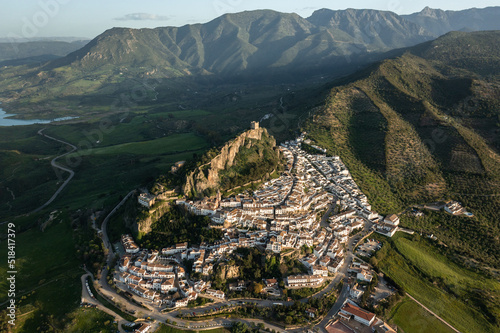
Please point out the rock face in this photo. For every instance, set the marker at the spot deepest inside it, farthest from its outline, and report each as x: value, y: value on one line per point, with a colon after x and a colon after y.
x: 143, y: 226
x: 228, y: 272
x: 207, y: 176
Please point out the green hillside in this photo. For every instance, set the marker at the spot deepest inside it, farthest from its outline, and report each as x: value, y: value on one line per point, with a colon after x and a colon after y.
x: 465, y: 299
x: 424, y: 127
x: 241, y: 45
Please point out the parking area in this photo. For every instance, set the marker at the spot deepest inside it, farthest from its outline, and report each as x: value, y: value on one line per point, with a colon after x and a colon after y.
x: 368, y: 248
x: 382, y: 290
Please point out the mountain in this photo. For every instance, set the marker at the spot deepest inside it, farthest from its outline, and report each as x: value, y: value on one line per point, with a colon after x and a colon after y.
x: 264, y: 40
x: 424, y: 127
x: 24, y: 50
x: 438, y: 22
x: 378, y: 30
x: 255, y: 40
x: 262, y: 44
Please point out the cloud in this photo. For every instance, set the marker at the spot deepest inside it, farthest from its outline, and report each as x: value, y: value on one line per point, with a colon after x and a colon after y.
x: 143, y: 17
x: 309, y: 8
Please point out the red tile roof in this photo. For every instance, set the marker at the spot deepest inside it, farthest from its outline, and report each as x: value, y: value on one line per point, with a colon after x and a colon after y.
x: 358, y: 312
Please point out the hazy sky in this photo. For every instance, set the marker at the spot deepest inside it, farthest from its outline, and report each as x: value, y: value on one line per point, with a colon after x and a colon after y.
x: 89, y: 18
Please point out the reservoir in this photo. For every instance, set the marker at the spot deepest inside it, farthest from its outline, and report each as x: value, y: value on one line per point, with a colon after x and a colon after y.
x: 5, y: 121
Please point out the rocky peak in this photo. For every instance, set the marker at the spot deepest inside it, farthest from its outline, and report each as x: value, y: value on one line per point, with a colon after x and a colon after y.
x: 207, y: 176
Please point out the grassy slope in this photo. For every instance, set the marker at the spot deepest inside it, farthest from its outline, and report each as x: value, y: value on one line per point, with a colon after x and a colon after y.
x: 423, y: 273
x: 116, y: 165
x: 412, y: 318
x: 26, y: 182
x: 407, y: 134
x: 91, y: 320
x: 49, y: 280
x: 167, y: 145
x: 460, y: 280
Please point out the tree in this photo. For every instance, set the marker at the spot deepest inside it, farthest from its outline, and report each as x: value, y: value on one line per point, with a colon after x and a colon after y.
x: 283, y: 269
x: 239, y: 327
x: 288, y: 320
x: 257, y: 288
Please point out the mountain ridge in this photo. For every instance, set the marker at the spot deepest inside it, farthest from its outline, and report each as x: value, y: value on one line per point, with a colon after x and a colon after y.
x: 423, y: 127
x: 439, y: 22
x: 240, y: 41
x: 253, y: 44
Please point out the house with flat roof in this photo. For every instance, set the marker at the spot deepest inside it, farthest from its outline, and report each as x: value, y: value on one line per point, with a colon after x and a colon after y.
x: 147, y: 200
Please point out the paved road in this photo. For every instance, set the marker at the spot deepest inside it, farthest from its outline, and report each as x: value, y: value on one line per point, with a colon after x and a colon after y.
x: 335, y: 308
x: 86, y: 298
x: 155, y: 314
x: 432, y: 313
x: 57, y: 166
x: 324, y: 219
x: 105, y: 238
x: 109, y: 247
x: 343, y: 273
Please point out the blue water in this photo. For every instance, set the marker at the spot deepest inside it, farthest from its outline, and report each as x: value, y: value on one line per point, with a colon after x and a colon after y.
x: 4, y: 121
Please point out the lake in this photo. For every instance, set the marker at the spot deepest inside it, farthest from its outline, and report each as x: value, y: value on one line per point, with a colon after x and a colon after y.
x: 5, y: 121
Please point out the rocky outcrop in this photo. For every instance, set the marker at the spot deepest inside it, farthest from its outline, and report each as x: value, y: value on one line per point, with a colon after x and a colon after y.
x: 144, y: 224
x: 207, y: 176
x: 227, y: 272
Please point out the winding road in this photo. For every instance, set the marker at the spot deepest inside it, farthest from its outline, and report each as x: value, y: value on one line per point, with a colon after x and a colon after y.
x: 107, y: 291
x: 86, y: 298
x: 57, y: 166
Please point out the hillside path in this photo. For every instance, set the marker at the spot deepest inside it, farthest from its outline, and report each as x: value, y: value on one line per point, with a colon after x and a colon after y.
x: 432, y: 313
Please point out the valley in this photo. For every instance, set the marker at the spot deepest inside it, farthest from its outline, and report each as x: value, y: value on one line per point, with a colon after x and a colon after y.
x: 130, y: 164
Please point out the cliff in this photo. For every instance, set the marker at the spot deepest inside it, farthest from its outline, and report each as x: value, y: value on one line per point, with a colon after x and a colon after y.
x: 252, y: 146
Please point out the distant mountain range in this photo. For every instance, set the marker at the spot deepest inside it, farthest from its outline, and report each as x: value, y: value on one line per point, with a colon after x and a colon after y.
x: 263, y: 39
x: 262, y: 42
x: 14, y: 53
x: 438, y: 22
x: 256, y: 40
